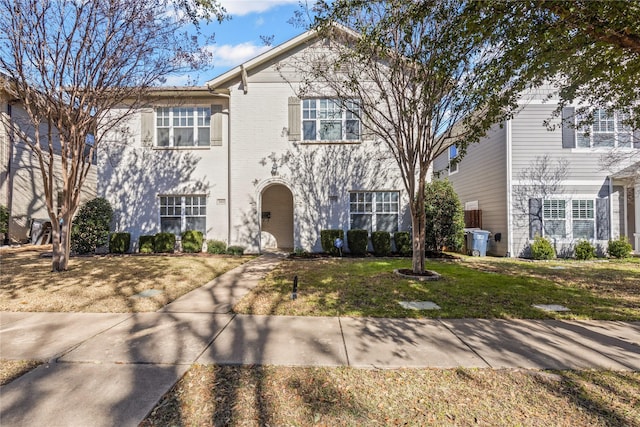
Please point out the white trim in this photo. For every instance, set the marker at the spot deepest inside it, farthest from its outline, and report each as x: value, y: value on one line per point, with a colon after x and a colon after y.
x: 570, y: 182
x: 509, y: 142
x: 259, y: 190
x: 626, y: 208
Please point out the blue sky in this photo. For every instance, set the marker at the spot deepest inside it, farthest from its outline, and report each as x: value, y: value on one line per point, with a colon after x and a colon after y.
x: 238, y: 39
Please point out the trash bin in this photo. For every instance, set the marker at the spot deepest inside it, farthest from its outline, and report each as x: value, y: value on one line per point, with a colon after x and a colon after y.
x: 479, y: 241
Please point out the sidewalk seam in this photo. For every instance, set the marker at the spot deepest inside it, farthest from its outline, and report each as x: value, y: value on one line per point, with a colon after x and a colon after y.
x: 344, y: 342
x: 465, y: 344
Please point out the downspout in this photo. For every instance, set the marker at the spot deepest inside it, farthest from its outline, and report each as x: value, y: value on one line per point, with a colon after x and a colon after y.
x: 11, y: 141
x: 509, y: 190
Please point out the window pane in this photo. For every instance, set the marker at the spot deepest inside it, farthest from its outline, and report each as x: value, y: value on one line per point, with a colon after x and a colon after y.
x: 330, y: 130
x: 163, y: 137
x: 183, y: 137
x: 583, y: 229
x: 360, y: 222
x: 353, y: 129
x: 203, y: 137
x: 603, y: 139
x: 196, y: 223
x: 555, y: 228
x: 309, y: 129
x: 170, y: 225
x: 387, y: 222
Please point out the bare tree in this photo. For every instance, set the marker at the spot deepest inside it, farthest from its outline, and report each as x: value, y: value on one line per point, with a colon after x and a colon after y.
x: 70, y: 62
x: 423, y: 80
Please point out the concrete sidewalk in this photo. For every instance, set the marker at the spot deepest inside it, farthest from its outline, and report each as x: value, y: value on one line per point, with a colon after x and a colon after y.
x: 111, y: 369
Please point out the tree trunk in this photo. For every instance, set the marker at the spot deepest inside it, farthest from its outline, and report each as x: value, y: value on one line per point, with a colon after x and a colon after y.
x: 418, y: 223
x: 61, y: 246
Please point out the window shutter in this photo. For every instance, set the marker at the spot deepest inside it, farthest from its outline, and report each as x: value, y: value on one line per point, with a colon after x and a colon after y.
x: 367, y: 135
x: 602, y: 218
x: 216, y: 125
x: 535, y: 218
x: 636, y: 138
x: 146, y: 127
x: 568, y: 132
x: 294, y: 119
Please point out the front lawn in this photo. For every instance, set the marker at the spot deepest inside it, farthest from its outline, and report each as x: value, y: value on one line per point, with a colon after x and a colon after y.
x: 474, y: 288
x: 104, y: 284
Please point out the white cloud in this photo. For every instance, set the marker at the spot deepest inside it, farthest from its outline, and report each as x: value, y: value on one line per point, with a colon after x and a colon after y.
x: 245, y: 7
x: 259, y: 22
x: 227, y: 55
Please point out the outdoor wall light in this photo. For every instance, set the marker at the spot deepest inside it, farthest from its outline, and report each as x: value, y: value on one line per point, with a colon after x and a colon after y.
x: 274, y: 169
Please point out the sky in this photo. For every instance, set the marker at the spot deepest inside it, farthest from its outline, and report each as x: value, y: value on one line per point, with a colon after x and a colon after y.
x: 238, y: 39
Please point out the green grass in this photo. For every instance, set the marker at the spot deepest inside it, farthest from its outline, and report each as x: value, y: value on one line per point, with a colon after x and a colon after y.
x: 475, y: 288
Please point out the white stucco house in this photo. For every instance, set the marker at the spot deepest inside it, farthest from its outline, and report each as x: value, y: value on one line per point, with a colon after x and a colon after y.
x: 524, y: 179
x: 244, y: 160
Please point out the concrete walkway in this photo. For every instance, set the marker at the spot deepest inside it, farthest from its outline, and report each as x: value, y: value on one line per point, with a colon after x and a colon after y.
x: 111, y: 369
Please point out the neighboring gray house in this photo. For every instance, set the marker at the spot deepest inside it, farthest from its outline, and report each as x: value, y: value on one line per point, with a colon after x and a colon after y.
x: 245, y: 161
x: 524, y: 180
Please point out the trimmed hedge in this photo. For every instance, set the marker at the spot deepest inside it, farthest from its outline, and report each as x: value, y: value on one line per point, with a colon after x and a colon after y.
x: 542, y: 248
x: 358, y: 241
x: 327, y: 238
x: 620, y: 248
x: 164, y: 243
x: 216, y: 247
x: 235, y: 250
x: 192, y: 241
x: 585, y: 250
x: 4, y: 219
x: 90, y: 227
x: 146, y: 244
x: 381, y: 241
x: 403, y: 243
x: 119, y: 243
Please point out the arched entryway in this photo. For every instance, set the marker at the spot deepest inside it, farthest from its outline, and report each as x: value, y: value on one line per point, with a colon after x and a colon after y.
x: 276, y: 217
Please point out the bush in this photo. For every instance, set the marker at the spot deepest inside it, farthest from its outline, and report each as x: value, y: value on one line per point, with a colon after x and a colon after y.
x: 90, y: 227
x: 327, y: 239
x: 192, y: 241
x: 216, y: 247
x: 164, y: 243
x: 146, y: 244
x: 541, y: 248
x: 358, y: 241
x: 381, y: 241
x: 444, y: 217
x: 620, y: 248
x: 402, y: 240
x: 119, y: 243
x: 585, y: 250
x: 235, y: 250
x: 4, y: 220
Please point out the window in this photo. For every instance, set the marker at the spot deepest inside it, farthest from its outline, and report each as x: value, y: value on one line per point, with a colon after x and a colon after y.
x: 327, y: 120
x: 183, y: 126
x: 579, y: 223
x: 607, y: 130
x: 181, y: 213
x: 583, y: 216
x: 374, y: 211
x: 453, y: 164
x: 554, y: 218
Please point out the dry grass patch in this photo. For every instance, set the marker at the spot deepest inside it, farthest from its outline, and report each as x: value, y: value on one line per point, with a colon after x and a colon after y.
x: 12, y: 369
x: 212, y: 395
x: 104, y: 284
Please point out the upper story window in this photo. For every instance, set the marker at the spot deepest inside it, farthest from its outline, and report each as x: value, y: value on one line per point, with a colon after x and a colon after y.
x: 183, y: 126
x: 453, y: 164
x: 329, y: 120
x: 608, y: 130
x: 374, y: 211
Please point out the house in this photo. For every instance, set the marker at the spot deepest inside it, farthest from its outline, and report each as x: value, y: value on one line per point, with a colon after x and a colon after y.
x: 526, y: 179
x: 245, y: 161
x: 21, y: 188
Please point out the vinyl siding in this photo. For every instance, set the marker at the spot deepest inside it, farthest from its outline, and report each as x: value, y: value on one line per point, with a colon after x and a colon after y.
x: 482, y: 177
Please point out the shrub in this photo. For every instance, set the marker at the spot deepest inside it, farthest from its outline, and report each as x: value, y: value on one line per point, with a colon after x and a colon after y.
x: 235, y: 250
x: 381, y: 241
x: 146, y: 244
x: 4, y: 220
x: 327, y: 239
x: 119, y: 243
x: 192, y: 241
x: 402, y: 240
x: 541, y: 248
x: 444, y: 217
x: 90, y: 227
x: 585, y: 250
x: 164, y: 243
x: 358, y: 241
x: 216, y: 247
x: 620, y: 248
